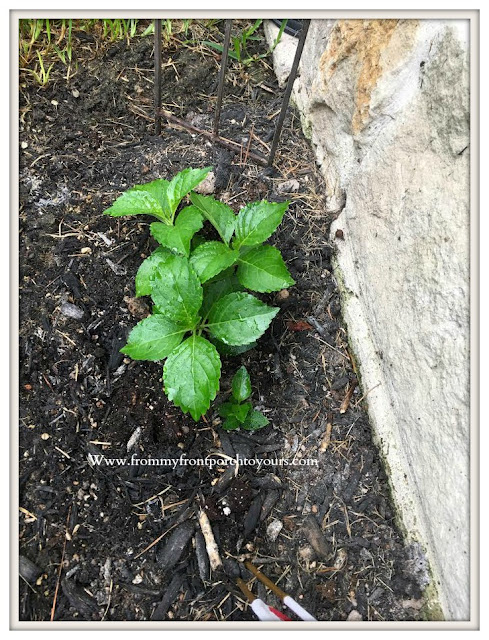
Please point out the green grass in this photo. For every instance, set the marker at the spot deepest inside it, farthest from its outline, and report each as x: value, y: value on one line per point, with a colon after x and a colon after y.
x: 46, y: 44
x: 43, y: 43
x: 238, y: 49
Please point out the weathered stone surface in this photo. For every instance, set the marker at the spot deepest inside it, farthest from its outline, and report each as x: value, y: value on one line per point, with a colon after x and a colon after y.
x: 285, y: 50
x: 386, y: 104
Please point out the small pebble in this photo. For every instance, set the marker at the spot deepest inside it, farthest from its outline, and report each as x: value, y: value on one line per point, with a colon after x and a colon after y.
x: 289, y: 186
x: 273, y: 529
x: 306, y: 553
x: 340, y: 559
x: 208, y: 185
x: 354, y: 616
x: 134, y: 439
x: 24, y: 145
x: 75, y: 93
x: 45, y: 436
x: 339, y: 234
x: 412, y: 604
x: 71, y: 311
x: 137, y: 307
x: 283, y: 294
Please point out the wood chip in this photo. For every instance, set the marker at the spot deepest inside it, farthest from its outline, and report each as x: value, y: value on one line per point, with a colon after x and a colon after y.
x: 210, y: 542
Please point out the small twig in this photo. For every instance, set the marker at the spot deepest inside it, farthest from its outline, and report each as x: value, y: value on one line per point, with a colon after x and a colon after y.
x: 110, y: 598
x: 327, y: 435
x: 346, y: 402
x: 138, y: 504
x: 248, y: 146
x: 333, y: 348
x: 29, y: 585
x: 210, y: 542
x: 366, y: 394
x: 150, y: 546
x: 60, y: 569
x: 230, y: 144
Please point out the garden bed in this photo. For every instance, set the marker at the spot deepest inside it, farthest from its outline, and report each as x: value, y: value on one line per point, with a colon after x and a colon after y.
x: 82, y: 143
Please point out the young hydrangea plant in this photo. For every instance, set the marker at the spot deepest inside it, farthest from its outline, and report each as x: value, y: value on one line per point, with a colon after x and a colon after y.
x: 198, y: 286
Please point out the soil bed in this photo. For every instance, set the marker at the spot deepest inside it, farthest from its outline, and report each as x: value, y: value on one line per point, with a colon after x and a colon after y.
x: 84, y: 142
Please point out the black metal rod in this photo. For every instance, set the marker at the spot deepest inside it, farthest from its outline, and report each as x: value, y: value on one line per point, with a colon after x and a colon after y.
x: 157, y: 79
x: 222, y: 73
x: 288, y: 91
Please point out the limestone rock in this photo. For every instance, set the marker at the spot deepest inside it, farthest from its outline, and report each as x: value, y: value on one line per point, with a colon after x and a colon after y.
x: 386, y: 106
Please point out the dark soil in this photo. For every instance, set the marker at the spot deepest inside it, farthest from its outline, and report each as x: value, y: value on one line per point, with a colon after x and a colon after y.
x: 84, y: 528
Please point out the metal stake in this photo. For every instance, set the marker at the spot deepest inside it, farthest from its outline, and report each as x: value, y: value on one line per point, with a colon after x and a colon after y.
x: 222, y: 73
x: 288, y: 91
x: 157, y: 78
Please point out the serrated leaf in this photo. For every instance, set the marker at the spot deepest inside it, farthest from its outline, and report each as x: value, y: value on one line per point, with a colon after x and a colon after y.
x: 257, y: 221
x: 241, y: 384
x: 215, y: 290
x: 182, y: 184
x: 154, y: 338
x: 241, y: 411
x: 226, y: 409
x: 147, y: 269
x: 230, y: 424
x: 254, y: 420
x: 178, y: 237
x: 191, y: 375
x: 176, y: 290
x: 238, y: 411
x: 219, y: 214
x: 211, y: 258
x: 263, y: 269
x: 149, y: 199
x: 239, y: 318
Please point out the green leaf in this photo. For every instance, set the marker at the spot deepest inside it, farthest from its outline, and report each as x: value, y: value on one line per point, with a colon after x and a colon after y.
x: 257, y: 221
x: 227, y: 274
x: 149, y: 199
x: 219, y: 47
x: 241, y: 384
x: 191, y: 375
x: 159, y: 198
x: 230, y: 424
x: 226, y: 409
x: 240, y: 318
x: 197, y: 240
x: 229, y: 350
x: 215, y: 290
x: 219, y: 214
x: 147, y: 269
x: 154, y: 338
x: 255, y: 420
x: 263, y: 269
x: 211, y: 258
x: 182, y: 184
x: 238, y: 411
x: 176, y: 290
x: 178, y: 237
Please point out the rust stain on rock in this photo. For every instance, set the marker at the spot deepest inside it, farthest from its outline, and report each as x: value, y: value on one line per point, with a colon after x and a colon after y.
x: 365, y: 40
